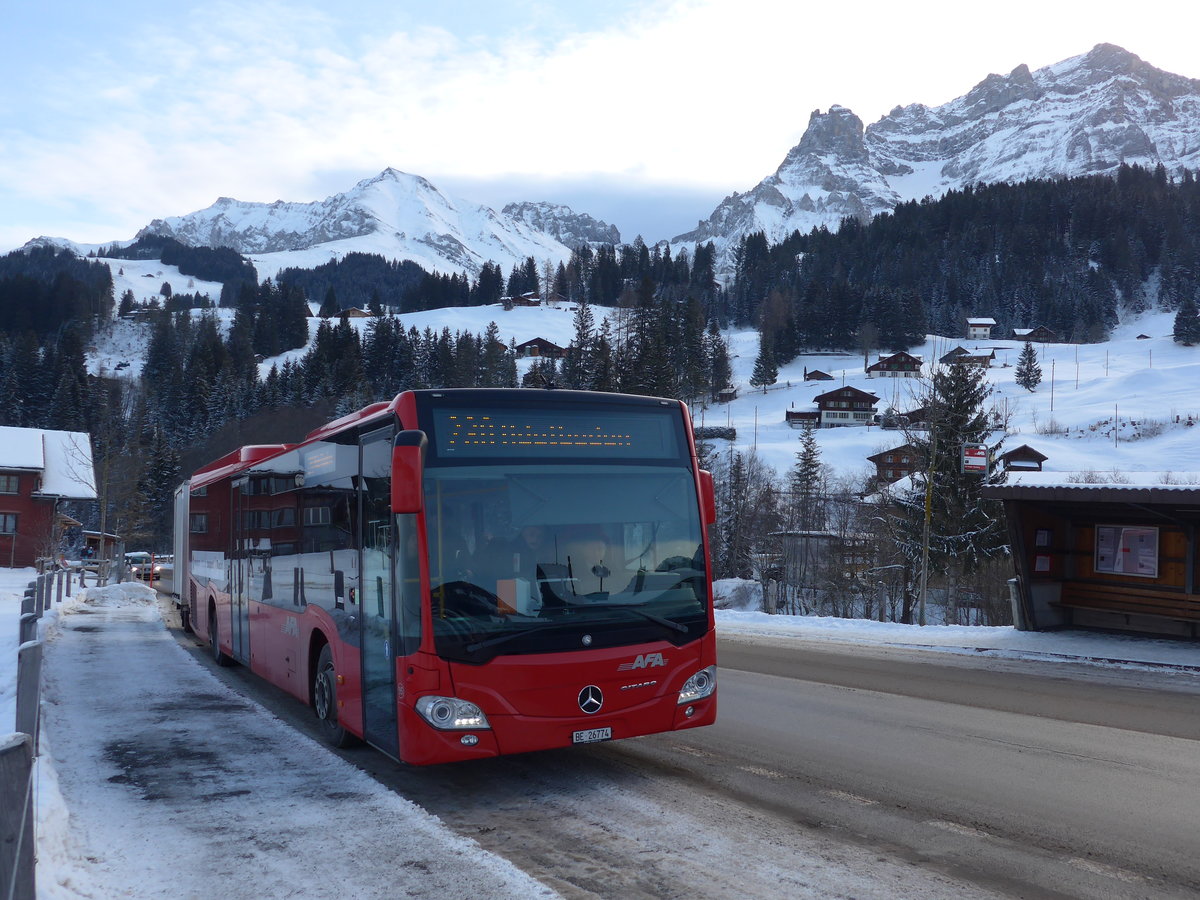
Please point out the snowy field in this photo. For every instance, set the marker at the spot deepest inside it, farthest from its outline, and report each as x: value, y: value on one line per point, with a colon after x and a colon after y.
x: 1140, y: 379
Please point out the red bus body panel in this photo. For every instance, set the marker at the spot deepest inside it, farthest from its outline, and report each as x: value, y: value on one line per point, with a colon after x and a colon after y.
x: 532, y: 701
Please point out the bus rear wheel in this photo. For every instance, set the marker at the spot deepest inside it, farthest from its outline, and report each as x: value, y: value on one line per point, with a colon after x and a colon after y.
x: 219, y: 656
x: 324, y: 692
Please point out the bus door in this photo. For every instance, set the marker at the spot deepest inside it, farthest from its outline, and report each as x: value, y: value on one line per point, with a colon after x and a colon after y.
x: 239, y: 601
x: 377, y: 606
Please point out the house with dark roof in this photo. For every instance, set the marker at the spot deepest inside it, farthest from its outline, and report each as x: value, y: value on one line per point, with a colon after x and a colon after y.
x: 892, y: 465
x: 816, y: 375
x: 845, y: 406
x: 1041, y: 334
x: 1023, y: 459
x: 898, y: 365
x: 539, y: 347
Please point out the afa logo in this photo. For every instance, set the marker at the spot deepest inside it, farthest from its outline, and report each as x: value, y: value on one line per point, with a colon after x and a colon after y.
x: 644, y: 661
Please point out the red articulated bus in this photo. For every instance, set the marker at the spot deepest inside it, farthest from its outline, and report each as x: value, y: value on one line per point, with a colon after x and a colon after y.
x: 457, y: 574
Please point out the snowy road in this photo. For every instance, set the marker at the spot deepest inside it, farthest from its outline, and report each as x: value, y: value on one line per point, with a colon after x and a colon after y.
x: 850, y: 779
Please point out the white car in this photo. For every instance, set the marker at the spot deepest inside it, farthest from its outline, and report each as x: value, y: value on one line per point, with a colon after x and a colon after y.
x: 143, y: 565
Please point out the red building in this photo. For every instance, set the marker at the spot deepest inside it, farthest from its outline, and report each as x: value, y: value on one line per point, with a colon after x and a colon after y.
x: 38, y: 470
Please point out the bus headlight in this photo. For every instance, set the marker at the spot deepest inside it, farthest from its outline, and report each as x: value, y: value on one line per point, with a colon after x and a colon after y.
x: 451, y: 714
x: 699, y: 686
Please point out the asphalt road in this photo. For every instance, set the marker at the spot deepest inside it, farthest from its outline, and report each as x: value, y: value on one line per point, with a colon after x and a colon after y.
x: 855, y: 771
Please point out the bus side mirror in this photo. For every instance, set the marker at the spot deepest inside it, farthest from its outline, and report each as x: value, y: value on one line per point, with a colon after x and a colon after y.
x: 708, y: 498
x: 408, y: 464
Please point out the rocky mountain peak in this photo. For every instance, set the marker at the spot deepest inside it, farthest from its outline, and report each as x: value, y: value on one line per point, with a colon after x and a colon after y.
x: 1085, y: 115
x: 564, y: 224
x: 838, y: 132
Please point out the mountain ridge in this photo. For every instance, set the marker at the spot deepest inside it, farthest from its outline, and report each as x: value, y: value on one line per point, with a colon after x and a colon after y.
x: 1084, y: 115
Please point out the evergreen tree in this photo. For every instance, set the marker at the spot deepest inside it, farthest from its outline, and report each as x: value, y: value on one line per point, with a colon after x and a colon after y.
x: 576, y: 370
x: 1029, y: 373
x: 329, y: 306
x: 965, y: 530
x: 806, y: 484
x: 1187, y: 323
x: 766, y: 372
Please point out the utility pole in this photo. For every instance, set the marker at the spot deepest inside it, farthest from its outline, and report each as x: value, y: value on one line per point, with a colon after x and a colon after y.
x: 925, y: 528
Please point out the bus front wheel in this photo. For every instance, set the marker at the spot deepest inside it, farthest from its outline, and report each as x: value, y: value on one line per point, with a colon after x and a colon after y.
x: 324, y: 692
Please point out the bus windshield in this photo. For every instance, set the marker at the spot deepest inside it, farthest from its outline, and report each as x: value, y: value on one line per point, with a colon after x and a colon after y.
x: 534, y: 559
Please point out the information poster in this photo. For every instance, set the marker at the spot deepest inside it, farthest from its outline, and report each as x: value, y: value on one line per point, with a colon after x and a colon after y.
x: 1126, y: 550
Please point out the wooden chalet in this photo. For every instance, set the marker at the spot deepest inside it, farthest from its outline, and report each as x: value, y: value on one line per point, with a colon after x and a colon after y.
x: 898, y: 365
x: 539, y: 348
x: 1041, y: 334
x: 892, y: 465
x: 961, y: 357
x: 845, y: 406
x: 816, y: 375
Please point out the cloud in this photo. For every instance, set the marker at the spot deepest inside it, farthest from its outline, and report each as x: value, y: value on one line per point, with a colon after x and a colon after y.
x: 257, y: 100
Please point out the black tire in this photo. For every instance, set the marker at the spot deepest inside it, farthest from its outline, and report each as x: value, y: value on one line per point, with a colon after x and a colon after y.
x: 214, y: 642
x: 324, y: 693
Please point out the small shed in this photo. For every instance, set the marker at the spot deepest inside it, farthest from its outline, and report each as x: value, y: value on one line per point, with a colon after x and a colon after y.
x: 1118, y: 556
x: 798, y: 418
x: 1023, y: 459
x: 816, y: 375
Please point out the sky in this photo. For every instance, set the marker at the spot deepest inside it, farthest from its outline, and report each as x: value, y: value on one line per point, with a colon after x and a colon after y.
x: 643, y: 114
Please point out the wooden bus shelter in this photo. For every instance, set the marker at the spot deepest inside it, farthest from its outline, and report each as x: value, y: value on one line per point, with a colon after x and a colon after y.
x: 1115, y: 556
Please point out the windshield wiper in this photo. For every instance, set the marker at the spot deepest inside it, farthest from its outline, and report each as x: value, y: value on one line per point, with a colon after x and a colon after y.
x: 512, y: 635
x: 657, y: 620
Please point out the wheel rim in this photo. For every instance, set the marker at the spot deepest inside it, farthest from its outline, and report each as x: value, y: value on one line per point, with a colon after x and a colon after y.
x: 323, y: 696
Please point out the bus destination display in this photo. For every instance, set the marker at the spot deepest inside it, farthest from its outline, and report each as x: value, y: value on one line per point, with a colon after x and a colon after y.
x: 539, y: 433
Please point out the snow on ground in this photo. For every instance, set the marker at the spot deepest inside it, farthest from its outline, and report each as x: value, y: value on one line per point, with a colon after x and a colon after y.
x: 148, y: 846
x: 1140, y: 377
x: 1147, y: 383
x: 289, y: 795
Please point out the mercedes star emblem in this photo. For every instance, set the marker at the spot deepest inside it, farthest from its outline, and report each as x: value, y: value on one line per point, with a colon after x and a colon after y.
x: 591, y: 699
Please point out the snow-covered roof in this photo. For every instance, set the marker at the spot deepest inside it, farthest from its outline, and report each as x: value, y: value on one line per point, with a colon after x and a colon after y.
x: 64, y: 459
x: 1174, y: 481
x: 983, y: 321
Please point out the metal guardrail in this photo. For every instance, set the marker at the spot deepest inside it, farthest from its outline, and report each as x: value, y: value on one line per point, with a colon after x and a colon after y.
x: 19, y: 751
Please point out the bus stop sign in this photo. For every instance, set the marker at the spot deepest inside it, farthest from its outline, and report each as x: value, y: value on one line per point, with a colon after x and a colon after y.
x: 975, y: 459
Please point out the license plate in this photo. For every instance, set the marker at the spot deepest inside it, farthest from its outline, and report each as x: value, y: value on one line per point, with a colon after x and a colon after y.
x: 591, y: 736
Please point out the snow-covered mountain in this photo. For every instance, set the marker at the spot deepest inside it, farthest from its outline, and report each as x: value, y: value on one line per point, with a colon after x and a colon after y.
x: 1082, y: 116
x: 563, y: 223
x: 397, y: 215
